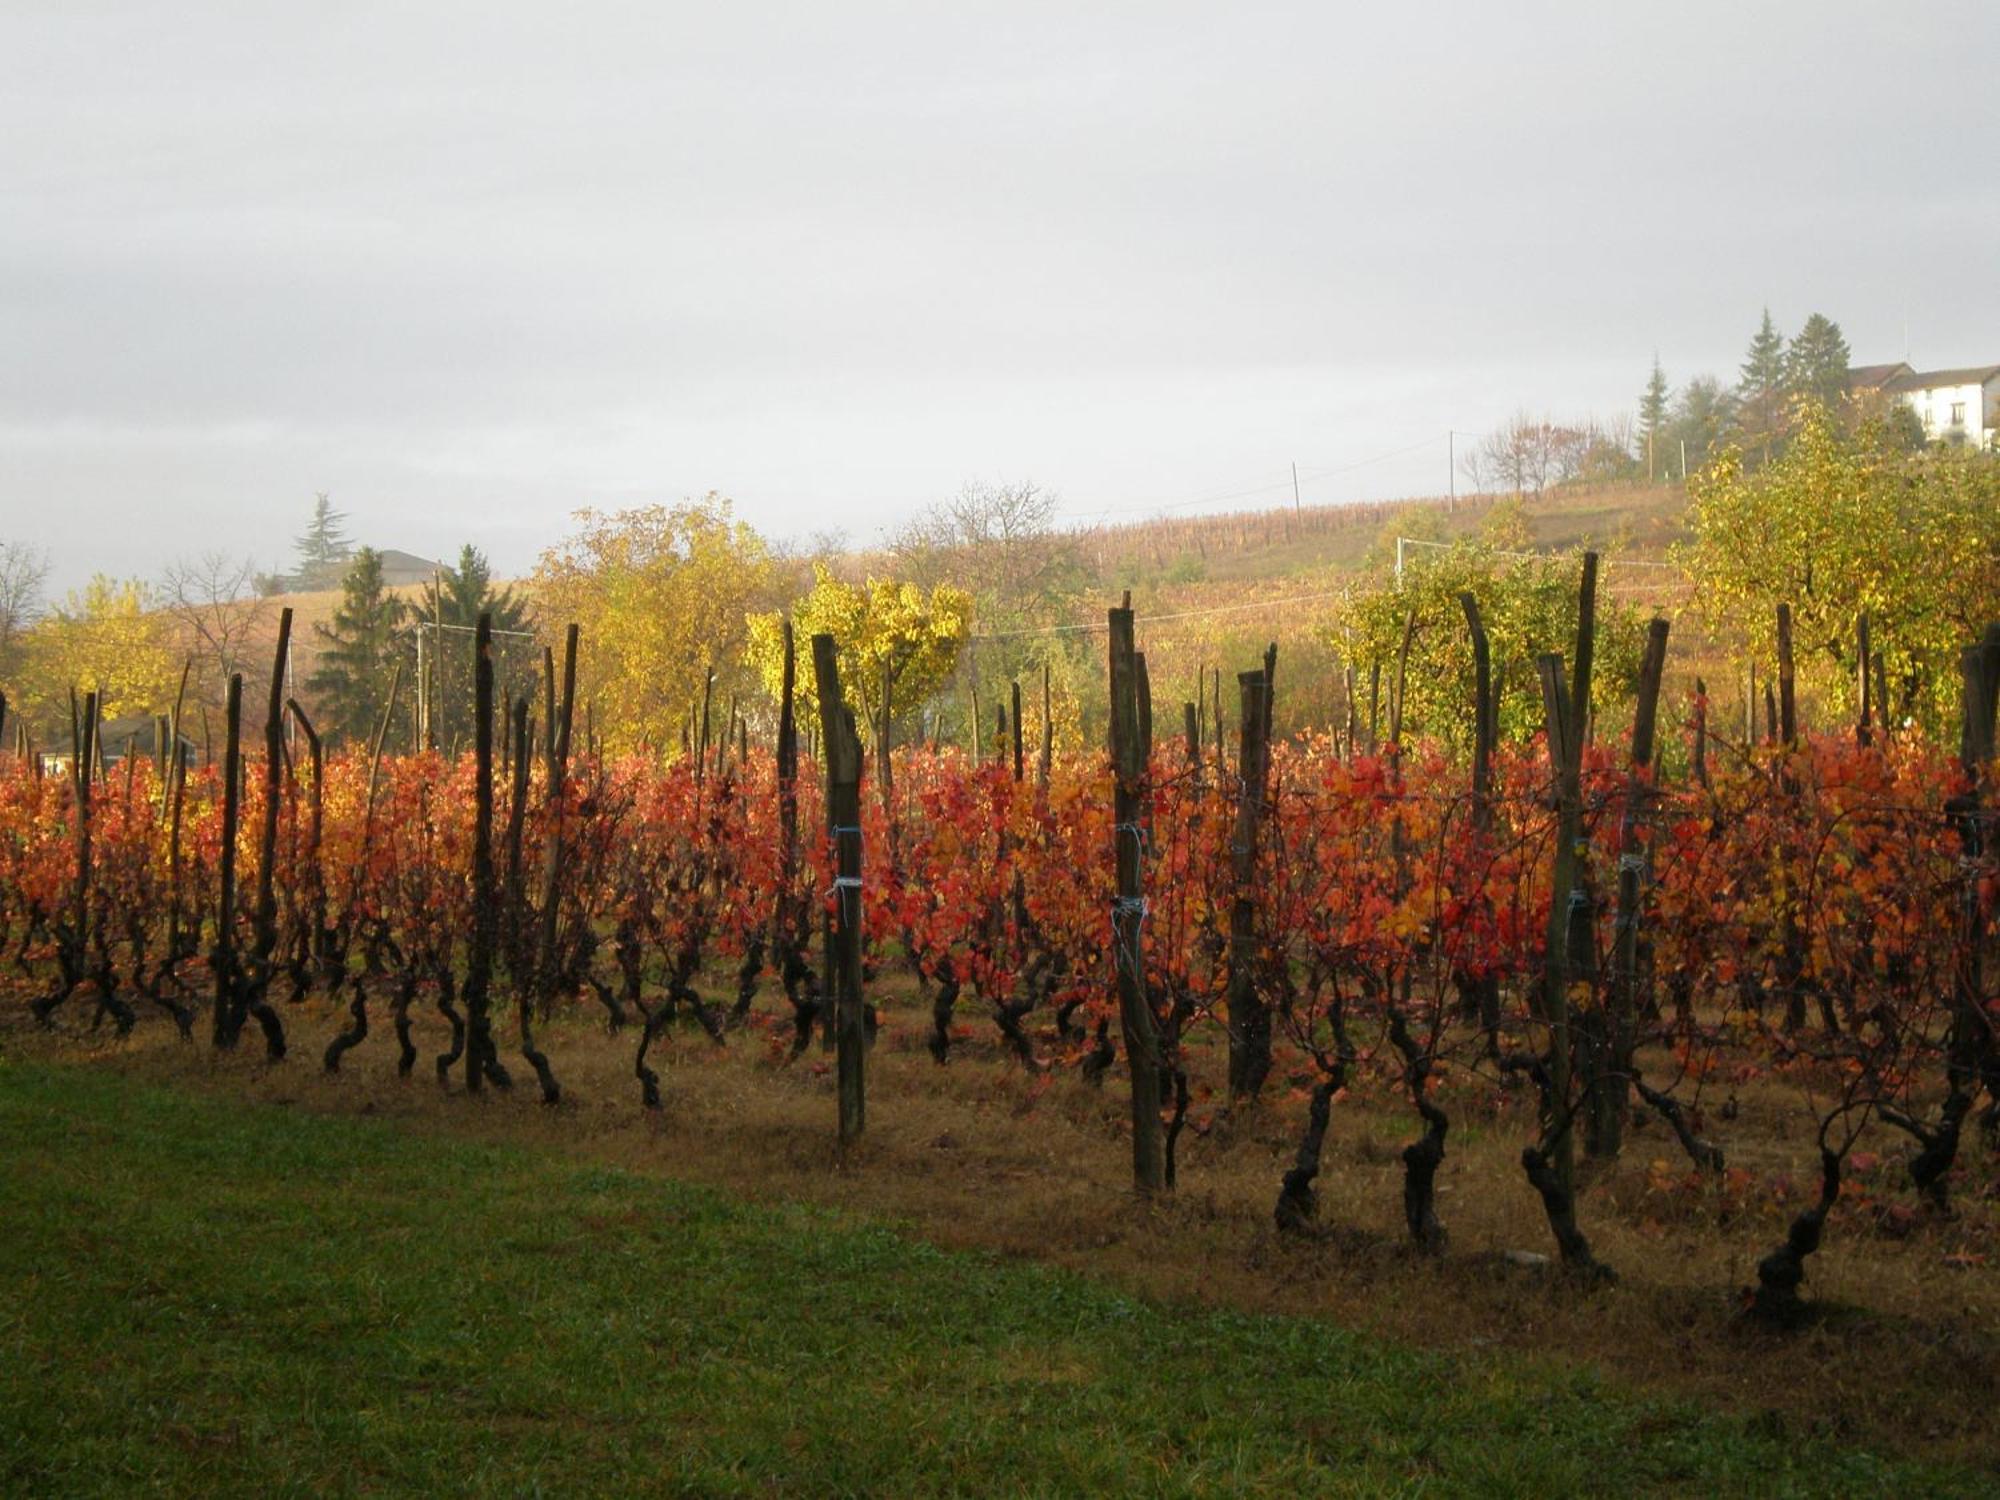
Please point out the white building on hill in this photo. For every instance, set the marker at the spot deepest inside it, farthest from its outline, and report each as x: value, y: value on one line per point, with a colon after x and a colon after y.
x: 1955, y: 406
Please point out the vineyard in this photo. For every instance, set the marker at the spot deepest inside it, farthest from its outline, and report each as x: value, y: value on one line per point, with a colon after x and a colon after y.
x: 1747, y: 1000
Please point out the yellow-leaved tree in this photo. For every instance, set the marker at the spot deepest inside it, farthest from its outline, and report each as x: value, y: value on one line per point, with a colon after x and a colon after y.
x: 1839, y: 525
x: 1528, y: 606
x: 898, y: 643
x: 105, y: 636
x: 661, y: 593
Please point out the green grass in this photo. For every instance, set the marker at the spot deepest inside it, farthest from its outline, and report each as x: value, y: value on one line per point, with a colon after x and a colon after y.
x: 207, y: 1297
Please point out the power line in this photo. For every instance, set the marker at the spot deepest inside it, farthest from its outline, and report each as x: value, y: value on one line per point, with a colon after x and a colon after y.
x: 422, y: 625
x: 1274, y: 487
x: 1378, y: 458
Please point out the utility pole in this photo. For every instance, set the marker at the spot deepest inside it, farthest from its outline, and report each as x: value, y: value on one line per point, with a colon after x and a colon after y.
x: 1451, y: 471
x: 1295, y: 488
x: 437, y: 656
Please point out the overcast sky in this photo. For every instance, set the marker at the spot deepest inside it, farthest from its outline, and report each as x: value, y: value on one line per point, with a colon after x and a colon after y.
x: 469, y: 267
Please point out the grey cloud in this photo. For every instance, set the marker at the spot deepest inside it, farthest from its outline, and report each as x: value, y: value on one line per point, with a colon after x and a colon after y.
x: 471, y: 266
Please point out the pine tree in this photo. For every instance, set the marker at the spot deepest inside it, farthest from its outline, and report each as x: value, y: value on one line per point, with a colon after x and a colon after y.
x: 357, y: 653
x: 456, y: 600
x: 1704, y: 417
x: 325, y: 548
x: 1653, y: 415
x: 1761, y: 391
x: 1816, y: 366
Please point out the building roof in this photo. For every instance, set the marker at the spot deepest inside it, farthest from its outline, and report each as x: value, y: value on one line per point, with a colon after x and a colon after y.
x: 401, y: 568
x: 135, y: 729
x: 1876, y: 377
x: 1930, y: 380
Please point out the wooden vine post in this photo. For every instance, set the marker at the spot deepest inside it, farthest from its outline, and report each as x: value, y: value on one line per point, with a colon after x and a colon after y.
x: 223, y: 962
x: 1611, y: 1095
x: 1794, y: 943
x: 786, y: 936
x: 481, y: 1053
x: 1480, y: 992
x: 239, y: 985
x: 1788, y: 722
x: 1048, y: 729
x: 265, y: 928
x: 1221, y: 740
x: 84, y: 752
x: 319, y: 951
x: 560, y: 718
x: 1971, y: 1049
x: 1019, y: 762
x: 175, y: 807
x: 1128, y: 913
x: 514, y: 905
x: 1020, y: 892
x: 843, y: 801
x: 1864, y: 729
x: 1270, y: 695
x: 1550, y: 1164
x: 1700, y: 733
x: 1248, y: 1016
x: 788, y: 920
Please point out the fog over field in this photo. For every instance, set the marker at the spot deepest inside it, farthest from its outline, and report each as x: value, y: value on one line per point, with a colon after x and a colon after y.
x: 468, y: 267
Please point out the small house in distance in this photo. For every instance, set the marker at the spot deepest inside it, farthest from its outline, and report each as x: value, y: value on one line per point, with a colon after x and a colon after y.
x: 1958, y: 407
x: 405, y: 569
x: 1955, y: 406
x: 135, y: 734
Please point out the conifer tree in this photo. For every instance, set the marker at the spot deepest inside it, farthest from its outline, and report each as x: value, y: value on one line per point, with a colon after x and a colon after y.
x: 456, y: 600
x: 1816, y: 365
x: 357, y: 653
x: 1704, y: 419
x: 1653, y: 416
x: 323, y: 551
x: 1761, y: 391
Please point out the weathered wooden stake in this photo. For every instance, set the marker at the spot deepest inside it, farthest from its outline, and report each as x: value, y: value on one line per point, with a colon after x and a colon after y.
x: 1481, y: 993
x: 480, y: 1053
x: 1701, y: 733
x: 224, y: 1025
x: 1550, y: 1164
x: 843, y: 797
x: 561, y: 720
x: 1788, y: 723
x: 1611, y: 1097
x: 1249, y: 1016
x: 1142, y: 1051
x: 1864, y: 730
x: 1048, y: 728
x: 1019, y: 763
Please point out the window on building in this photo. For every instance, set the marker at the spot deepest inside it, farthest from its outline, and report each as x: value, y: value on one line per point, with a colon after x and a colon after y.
x: 1958, y: 413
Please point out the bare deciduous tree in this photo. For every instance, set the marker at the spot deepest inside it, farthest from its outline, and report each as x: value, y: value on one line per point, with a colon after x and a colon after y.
x: 998, y: 540
x: 219, y: 616
x: 1528, y: 454
x: 1519, y: 454
x: 23, y: 571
